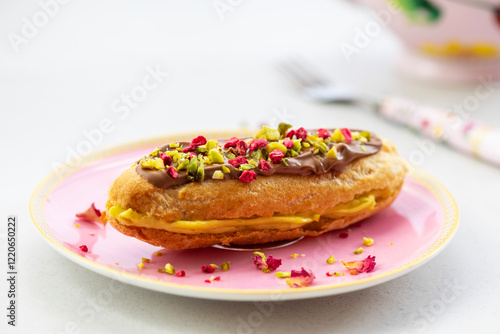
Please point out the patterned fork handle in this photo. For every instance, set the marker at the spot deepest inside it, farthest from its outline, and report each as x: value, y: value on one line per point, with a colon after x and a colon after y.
x: 458, y: 131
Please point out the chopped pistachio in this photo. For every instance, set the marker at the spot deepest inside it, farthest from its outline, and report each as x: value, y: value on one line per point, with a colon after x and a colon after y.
x: 294, y: 255
x: 158, y: 253
x: 200, y: 173
x: 293, y: 153
x: 77, y: 225
x: 214, y: 265
x: 297, y: 146
x: 257, y: 155
x: 284, y: 162
x: 331, y: 260
x: 332, y: 153
x: 172, y: 153
x: 336, y: 273
x: 306, y: 144
x: 316, y: 151
x: 268, y: 133
x: 363, y: 139
x: 283, y: 128
x: 229, y: 155
x: 253, y: 162
x: 367, y: 241
x: 283, y: 274
x: 359, y: 250
x: 363, y: 148
x: 276, y: 146
x: 211, y: 144
x: 155, y: 163
x: 160, y: 270
x: 225, y: 266
x: 355, y: 135
x: 215, y: 156
x: 174, y: 145
x: 246, y: 167
x: 183, y: 164
x: 179, y: 149
x: 145, y: 260
x: 155, y: 152
x: 321, y: 146
x: 193, y: 165
x: 225, y: 170
x: 366, y: 135
x: 169, y: 269
x: 312, y: 138
x: 218, y: 175
x: 206, y: 160
x: 201, y: 149
x: 140, y: 265
x: 134, y: 165
x: 337, y: 136
x: 390, y: 243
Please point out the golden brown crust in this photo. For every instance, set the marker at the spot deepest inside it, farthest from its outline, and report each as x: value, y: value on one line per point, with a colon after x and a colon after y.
x: 266, y: 196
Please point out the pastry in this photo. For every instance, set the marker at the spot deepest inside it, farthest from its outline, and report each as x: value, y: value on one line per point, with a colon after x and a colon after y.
x: 279, y: 185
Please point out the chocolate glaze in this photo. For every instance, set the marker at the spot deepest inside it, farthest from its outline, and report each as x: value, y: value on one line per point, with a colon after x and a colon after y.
x: 305, y: 163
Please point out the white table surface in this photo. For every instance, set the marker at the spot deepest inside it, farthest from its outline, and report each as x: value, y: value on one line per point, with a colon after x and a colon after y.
x: 66, y: 78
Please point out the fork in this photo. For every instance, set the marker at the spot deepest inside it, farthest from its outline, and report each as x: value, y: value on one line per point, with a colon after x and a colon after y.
x: 447, y: 126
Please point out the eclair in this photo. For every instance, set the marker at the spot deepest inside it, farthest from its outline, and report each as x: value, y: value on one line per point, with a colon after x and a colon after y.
x: 280, y: 184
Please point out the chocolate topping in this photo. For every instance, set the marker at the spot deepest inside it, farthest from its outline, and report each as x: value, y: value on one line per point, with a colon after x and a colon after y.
x: 305, y: 163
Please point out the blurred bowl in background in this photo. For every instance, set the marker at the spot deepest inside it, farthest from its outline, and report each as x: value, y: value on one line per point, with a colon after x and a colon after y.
x: 444, y: 40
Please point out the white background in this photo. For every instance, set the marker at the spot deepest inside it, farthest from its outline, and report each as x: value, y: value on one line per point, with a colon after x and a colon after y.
x: 65, y: 79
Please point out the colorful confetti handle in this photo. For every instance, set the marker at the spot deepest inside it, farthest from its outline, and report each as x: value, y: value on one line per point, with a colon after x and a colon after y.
x: 455, y: 129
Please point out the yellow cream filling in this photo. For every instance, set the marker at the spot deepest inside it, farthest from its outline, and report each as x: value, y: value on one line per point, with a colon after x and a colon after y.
x: 133, y: 218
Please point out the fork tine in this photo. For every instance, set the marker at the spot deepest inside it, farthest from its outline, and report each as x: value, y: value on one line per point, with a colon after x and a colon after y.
x: 289, y: 70
x: 307, y: 71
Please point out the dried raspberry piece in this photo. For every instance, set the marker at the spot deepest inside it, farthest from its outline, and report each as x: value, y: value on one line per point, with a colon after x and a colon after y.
x: 301, y: 133
x: 198, y: 141
x: 84, y: 248
x: 248, y: 176
x: 288, y: 143
x: 217, y: 278
x: 231, y: 142
x: 257, y: 144
x: 264, y: 165
x: 343, y: 235
x: 208, y: 281
x: 242, y: 147
x: 363, y: 266
x: 181, y: 273
x: 290, y: 134
x: 238, y: 161
x: 172, y: 172
x: 272, y: 263
x: 207, y: 269
x: 167, y: 160
x: 189, y: 148
x: 347, y: 134
x: 276, y: 156
x: 324, y: 133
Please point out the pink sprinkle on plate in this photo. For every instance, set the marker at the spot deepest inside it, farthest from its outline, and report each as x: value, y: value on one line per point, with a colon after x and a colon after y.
x: 414, y: 229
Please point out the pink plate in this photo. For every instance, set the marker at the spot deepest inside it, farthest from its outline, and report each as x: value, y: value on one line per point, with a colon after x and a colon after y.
x: 415, y: 228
